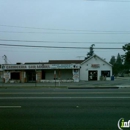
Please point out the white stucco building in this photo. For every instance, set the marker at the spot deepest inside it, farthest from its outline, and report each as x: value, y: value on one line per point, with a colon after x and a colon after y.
x: 95, y: 68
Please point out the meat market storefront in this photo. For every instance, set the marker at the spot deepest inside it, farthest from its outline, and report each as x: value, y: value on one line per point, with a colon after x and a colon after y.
x: 92, y: 68
x: 25, y: 73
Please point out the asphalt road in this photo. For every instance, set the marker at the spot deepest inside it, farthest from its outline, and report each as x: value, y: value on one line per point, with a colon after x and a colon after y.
x: 63, y: 109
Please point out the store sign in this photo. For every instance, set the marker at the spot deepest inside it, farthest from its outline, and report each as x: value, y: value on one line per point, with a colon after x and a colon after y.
x: 40, y: 66
x: 95, y: 65
x: 61, y: 66
x: 6, y: 76
x: 76, y: 75
x: 24, y: 67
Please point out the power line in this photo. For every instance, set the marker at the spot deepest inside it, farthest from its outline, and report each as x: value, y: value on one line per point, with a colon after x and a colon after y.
x: 91, y: 32
x: 59, y: 47
x: 54, y: 29
x: 60, y: 41
x: 109, y: 0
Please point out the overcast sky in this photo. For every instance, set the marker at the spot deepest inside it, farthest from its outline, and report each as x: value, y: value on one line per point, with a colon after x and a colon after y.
x: 66, y: 23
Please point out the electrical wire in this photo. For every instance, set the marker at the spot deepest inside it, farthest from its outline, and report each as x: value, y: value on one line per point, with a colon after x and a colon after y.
x: 14, y: 40
x: 55, y: 29
x: 91, y: 32
x: 12, y: 45
x: 108, y: 0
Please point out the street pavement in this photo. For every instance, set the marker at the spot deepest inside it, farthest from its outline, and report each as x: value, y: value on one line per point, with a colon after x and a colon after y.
x: 63, y: 109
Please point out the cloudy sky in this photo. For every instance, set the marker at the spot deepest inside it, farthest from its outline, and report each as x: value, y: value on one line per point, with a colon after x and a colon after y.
x: 62, y: 23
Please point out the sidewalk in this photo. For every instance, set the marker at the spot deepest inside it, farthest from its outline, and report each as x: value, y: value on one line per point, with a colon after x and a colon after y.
x: 122, y: 78
x: 99, y: 84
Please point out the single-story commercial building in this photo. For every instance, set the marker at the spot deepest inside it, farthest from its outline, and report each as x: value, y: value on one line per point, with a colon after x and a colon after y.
x: 95, y: 68
x: 92, y: 68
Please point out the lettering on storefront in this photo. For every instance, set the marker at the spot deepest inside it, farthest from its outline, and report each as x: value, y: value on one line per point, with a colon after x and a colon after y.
x: 24, y: 67
x: 63, y: 66
x: 95, y: 65
x: 32, y: 67
x: 15, y: 67
x: 40, y: 66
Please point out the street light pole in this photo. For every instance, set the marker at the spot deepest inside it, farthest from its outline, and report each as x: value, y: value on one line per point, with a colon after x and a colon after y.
x: 55, y: 77
x: 3, y: 76
x: 36, y: 78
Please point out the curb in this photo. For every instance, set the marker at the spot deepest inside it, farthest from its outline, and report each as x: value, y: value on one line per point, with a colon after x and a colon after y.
x: 93, y: 87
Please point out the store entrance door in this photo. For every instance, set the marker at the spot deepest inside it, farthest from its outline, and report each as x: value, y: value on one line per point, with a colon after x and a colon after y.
x: 92, y: 75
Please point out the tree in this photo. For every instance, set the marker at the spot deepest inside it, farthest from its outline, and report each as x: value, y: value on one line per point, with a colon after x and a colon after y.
x: 119, y: 60
x: 112, y: 60
x: 126, y: 57
x: 117, y: 66
x: 91, y: 51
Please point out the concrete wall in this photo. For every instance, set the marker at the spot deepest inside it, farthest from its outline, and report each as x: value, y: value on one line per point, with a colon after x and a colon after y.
x: 38, y: 76
x: 86, y: 67
x: 66, y: 74
x: 49, y: 74
x: 22, y: 77
x: 62, y: 74
x: 1, y: 74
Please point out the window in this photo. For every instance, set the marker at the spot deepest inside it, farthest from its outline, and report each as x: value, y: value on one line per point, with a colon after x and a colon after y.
x: 43, y: 74
x: 105, y: 73
x: 15, y: 75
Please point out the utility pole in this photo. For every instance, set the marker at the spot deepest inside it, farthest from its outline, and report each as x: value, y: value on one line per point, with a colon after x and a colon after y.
x: 5, y: 59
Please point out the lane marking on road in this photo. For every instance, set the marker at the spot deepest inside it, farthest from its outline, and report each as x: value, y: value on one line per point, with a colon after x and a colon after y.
x: 10, y: 106
x: 47, y: 93
x: 1, y: 98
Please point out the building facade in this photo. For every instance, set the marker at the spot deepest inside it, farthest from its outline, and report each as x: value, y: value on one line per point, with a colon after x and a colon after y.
x: 93, y: 68
x: 42, y: 72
